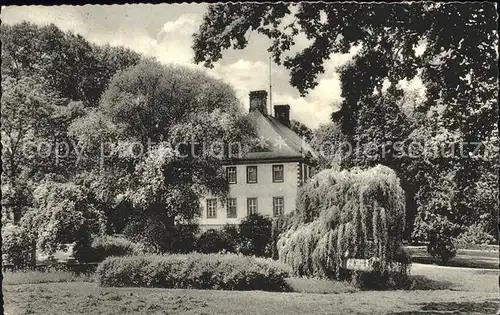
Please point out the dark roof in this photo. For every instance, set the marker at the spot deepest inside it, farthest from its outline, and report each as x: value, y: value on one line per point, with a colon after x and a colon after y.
x: 281, y: 141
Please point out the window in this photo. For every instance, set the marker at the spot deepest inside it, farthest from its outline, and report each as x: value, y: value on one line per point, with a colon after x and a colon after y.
x: 301, y: 171
x: 231, y: 174
x: 251, y: 174
x: 231, y: 208
x: 277, y: 173
x: 251, y: 206
x: 278, y: 206
x: 211, y: 208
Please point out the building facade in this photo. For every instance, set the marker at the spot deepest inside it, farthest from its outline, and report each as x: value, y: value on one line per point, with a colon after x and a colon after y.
x: 266, y: 179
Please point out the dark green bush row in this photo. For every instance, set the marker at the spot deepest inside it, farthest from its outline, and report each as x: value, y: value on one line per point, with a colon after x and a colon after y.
x: 215, y: 241
x: 376, y: 280
x: 253, y: 236
x: 199, y: 271
x: 107, y: 246
x: 161, y: 238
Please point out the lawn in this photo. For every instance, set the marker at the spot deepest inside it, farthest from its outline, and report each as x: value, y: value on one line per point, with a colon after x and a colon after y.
x: 430, y: 277
x: 438, y: 290
x: 88, y: 298
x: 470, y: 258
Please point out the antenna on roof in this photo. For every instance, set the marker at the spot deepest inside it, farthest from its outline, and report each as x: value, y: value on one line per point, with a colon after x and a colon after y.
x: 270, y: 89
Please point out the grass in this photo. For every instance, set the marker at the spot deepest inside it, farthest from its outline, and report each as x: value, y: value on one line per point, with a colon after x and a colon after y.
x: 301, y: 285
x: 88, y: 298
x: 27, y: 277
x: 437, y: 290
x: 430, y: 277
x: 304, y: 285
x: 468, y: 258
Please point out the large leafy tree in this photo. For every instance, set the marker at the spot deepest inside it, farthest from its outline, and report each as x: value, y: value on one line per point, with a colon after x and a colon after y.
x: 68, y: 64
x: 457, y: 66
x: 156, y: 142
x: 460, y: 41
x: 302, y: 130
x: 363, y: 217
x: 23, y: 107
x: 332, y: 146
x: 48, y: 78
x: 34, y: 123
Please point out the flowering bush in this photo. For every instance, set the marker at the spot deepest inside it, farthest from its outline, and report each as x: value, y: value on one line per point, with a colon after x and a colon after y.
x: 62, y: 213
x: 199, y: 271
x: 17, y: 247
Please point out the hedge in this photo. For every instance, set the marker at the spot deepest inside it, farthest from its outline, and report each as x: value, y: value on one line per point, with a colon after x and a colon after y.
x: 196, y: 271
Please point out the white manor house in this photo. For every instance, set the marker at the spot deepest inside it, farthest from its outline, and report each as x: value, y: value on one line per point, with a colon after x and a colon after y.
x: 264, y: 180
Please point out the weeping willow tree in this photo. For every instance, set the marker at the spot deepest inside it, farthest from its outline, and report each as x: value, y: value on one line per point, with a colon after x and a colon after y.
x: 357, y: 213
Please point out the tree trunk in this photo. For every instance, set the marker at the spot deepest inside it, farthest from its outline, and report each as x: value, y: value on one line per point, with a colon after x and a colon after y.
x: 33, y: 254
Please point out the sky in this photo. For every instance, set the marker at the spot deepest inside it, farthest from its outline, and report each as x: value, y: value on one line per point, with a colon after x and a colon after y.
x: 164, y: 31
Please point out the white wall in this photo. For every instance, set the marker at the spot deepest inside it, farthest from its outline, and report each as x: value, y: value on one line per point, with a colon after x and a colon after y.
x: 264, y: 190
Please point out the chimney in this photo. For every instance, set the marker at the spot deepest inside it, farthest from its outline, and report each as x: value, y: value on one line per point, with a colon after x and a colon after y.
x: 282, y: 113
x: 258, y: 101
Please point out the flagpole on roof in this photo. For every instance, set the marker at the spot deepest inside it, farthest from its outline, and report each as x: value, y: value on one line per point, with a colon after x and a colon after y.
x: 270, y: 89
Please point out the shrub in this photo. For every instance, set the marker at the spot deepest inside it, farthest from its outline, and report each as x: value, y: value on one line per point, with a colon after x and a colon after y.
x: 232, y: 231
x: 256, y: 235
x: 439, y: 232
x: 442, y: 246
x: 214, y: 241
x: 395, y: 275
x: 105, y: 246
x: 182, y: 238
x: 348, y: 214
x: 198, y: 271
x: 159, y: 238
x: 17, y: 247
x: 380, y: 280
x: 83, y: 251
x: 148, y: 231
